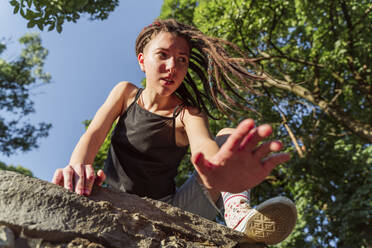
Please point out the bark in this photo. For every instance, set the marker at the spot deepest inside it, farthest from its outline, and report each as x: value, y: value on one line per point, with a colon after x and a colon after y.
x: 39, y: 212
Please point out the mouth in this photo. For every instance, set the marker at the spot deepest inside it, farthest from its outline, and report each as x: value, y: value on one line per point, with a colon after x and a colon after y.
x: 168, y: 81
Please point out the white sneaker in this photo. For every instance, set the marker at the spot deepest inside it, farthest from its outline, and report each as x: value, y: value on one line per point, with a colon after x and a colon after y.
x: 269, y: 223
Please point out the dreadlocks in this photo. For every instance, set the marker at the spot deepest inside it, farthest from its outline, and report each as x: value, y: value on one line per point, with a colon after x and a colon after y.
x: 222, y: 75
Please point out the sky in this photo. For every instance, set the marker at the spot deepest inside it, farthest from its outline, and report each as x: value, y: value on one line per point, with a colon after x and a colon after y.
x: 85, y: 61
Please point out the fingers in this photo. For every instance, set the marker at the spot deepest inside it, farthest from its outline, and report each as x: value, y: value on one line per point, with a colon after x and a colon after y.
x: 255, y: 136
x: 101, y: 177
x: 246, y: 136
x: 264, y: 149
x: 58, y: 177
x: 79, y: 177
x: 271, y: 162
x: 68, y: 173
x: 89, y: 179
x: 83, y: 176
x: 240, y: 133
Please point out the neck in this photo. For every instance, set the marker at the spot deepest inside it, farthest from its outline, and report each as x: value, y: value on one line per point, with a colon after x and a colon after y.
x: 154, y: 102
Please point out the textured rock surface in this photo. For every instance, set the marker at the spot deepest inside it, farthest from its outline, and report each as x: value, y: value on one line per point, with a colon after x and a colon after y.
x: 41, y: 214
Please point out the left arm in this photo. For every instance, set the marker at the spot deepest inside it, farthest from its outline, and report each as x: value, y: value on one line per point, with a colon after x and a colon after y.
x: 200, y: 141
x: 197, y: 130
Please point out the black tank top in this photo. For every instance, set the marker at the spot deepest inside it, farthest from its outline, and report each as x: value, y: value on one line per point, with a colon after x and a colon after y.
x: 143, y: 157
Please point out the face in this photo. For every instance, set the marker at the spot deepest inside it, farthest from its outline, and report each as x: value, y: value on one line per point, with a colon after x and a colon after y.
x: 165, y: 61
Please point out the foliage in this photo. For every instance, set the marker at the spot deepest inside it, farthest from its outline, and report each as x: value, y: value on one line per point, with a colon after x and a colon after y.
x: 317, y: 94
x: 55, y: 12
x: 17, y: 79
x: 182, y: 9
x: 17, y: 168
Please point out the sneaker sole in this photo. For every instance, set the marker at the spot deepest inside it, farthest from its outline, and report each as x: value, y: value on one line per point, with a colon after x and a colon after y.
x: 272, y: 221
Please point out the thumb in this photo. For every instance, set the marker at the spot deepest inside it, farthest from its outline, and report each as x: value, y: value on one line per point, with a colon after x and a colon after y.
x: 202, y: 165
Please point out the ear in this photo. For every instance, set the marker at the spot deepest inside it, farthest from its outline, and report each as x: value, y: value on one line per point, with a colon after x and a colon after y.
x: 141, y: 63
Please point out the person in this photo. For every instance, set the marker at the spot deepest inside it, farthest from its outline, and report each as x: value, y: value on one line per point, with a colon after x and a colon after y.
x: 157, y: 124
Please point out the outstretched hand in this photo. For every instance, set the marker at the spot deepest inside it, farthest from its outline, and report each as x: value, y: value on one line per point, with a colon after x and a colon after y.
x: 241, y: 163
x: 78, y: 178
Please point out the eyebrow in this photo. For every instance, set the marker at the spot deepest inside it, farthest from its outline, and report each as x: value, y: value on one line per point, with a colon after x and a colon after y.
x: 166, y: 49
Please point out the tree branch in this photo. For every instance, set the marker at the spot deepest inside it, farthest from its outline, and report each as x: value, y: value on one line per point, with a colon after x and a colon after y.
x: 363, y: 130
x: 346, y: 15
x: 283, y: 56
x: 331, y: 17
x: 285, y: 123
x: 362, y: 86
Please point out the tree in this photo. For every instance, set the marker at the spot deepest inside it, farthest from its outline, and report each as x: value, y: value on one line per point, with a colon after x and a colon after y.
x: 18, y: 169
x: 182, y: 9
x: 315, y: 57
x: 54, y: 13
x: 17, y: 79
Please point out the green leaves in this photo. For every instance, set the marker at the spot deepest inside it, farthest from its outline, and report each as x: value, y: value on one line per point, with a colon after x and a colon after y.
x: 59, y: 27
x: 183, y: 10
x: 321, y: 65
x: 16, y: 80
x: 81, y: 4
x: 52, y: 14
x: 17, y: 168
x: 31, y: 24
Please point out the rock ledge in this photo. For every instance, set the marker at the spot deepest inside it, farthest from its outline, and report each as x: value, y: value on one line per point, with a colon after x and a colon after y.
x: 35, y: 213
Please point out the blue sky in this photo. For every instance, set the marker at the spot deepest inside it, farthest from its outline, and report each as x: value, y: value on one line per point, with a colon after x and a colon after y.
x: 86, y: 60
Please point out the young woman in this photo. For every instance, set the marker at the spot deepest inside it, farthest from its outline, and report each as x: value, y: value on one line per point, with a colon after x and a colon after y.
x: 158, y: 123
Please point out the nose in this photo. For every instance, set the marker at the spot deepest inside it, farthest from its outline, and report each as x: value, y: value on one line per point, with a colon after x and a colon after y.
x: 171, y: 64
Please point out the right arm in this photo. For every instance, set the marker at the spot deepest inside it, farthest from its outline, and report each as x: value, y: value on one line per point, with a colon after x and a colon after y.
x: 80, y: 167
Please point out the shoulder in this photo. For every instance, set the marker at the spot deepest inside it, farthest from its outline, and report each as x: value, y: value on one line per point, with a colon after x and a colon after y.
x: 194, y: 125
x: 122, y: 95
x: 125, y: 89
x: 193, y: 112
x: 192, y: 115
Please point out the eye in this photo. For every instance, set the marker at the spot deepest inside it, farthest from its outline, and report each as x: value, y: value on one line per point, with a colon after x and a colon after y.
x: 162, y: 55
x: 182, y: 59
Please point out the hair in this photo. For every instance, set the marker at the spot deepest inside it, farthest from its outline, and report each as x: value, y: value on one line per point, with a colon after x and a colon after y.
x: 219, y: 64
